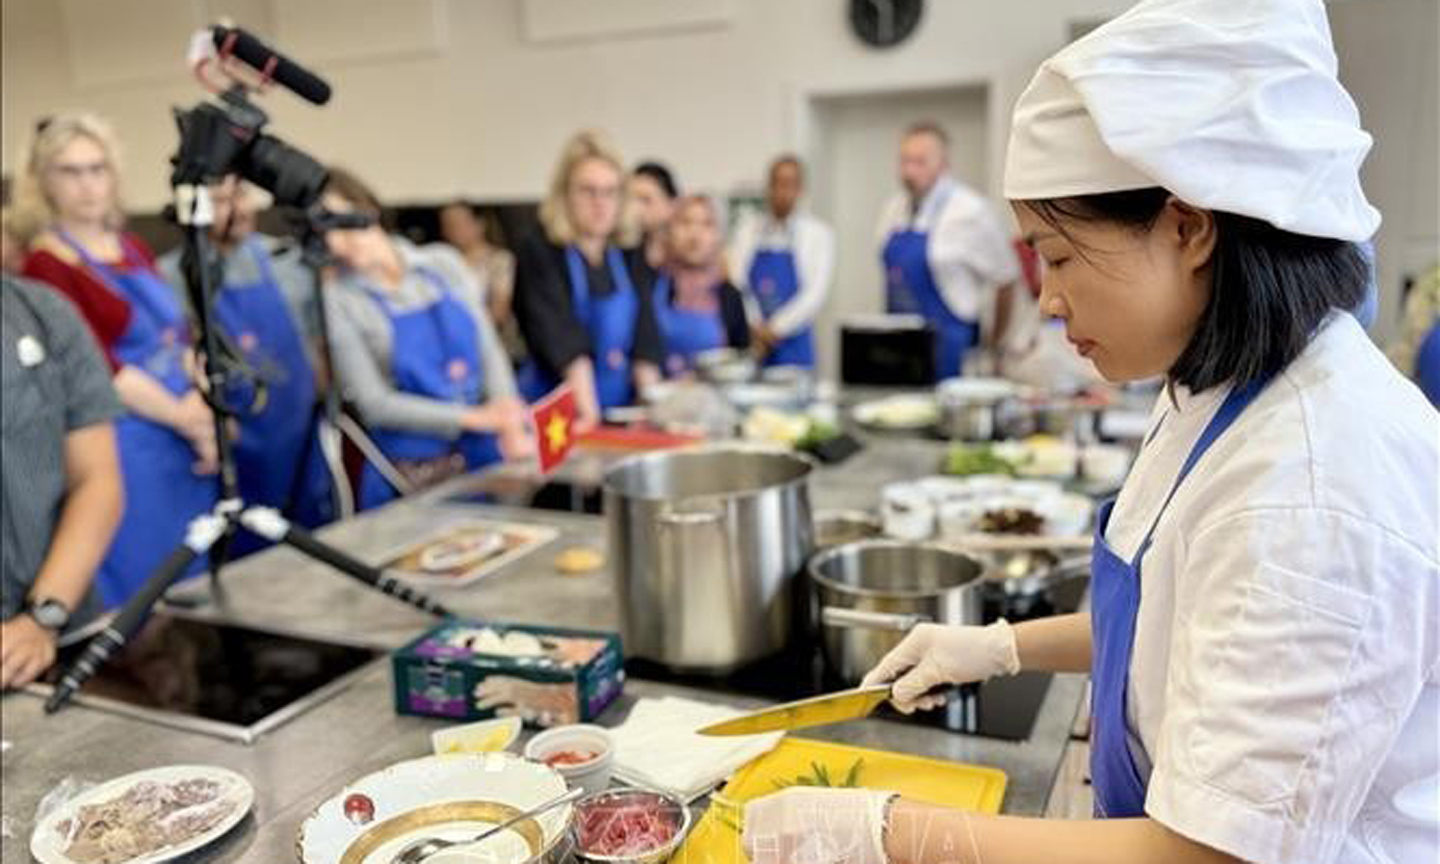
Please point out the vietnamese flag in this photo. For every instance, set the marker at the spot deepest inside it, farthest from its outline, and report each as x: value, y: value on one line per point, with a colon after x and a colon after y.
x: 554, y: 419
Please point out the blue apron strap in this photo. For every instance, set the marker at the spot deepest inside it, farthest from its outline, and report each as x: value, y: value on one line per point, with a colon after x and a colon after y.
x: 579, y: 283
x: 1225, y: 416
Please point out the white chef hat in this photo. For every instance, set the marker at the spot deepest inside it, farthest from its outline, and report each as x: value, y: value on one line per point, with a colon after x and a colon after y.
x: 1232, y: 106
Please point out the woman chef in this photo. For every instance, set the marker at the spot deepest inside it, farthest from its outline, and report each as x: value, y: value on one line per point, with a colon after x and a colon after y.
x: 1262, y: 637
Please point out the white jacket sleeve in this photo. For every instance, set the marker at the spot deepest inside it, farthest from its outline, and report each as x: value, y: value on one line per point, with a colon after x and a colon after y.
x: 970, y: 255
x: 815, y: 266
x: 1302, y: 646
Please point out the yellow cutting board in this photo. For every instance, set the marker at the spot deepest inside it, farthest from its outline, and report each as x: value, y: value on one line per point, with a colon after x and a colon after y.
x: 715, y: 839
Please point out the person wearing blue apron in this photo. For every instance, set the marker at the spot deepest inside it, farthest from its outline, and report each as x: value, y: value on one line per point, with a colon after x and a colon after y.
x: 277, y: 458
x: 162, y: 491
x: 910, y: 288
x: 583, y: 301
x: 696, y: 308
x: 785, y: 259
x: 776, y: 283
x: 435, y: 353
x: 1262, y: 635
x: 1114, y: 604
x: 945, y: 253
x: 688, y: 333
x: 609, y: 319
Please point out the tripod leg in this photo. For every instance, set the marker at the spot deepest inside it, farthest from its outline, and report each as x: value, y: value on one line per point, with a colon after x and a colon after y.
x: 271, y: 525
x: 204, y: 530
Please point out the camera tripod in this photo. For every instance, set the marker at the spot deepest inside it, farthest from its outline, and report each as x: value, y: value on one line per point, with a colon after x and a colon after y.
x: 211, y: 533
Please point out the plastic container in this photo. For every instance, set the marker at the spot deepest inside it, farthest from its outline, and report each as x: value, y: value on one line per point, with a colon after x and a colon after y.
x: 592, y: 775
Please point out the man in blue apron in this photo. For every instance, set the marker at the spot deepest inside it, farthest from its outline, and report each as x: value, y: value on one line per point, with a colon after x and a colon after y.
x: 259, y: 309
x: 785, y: 259
x: 944, y: 250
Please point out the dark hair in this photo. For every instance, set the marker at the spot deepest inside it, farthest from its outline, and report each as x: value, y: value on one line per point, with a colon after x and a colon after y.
x: 1270, y: 288
x: 788, y: 159
x: 359, y: 195
x: 928, y: 127
x: 661, y: 175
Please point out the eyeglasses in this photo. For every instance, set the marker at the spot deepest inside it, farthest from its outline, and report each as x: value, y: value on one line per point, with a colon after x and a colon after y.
x: 598, y: 193
x: 77, y: 171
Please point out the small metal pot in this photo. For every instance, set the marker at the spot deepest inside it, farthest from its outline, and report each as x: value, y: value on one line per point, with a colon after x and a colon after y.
x: 1027, y: 573
x: 868, y: 595
x: 969, y: 407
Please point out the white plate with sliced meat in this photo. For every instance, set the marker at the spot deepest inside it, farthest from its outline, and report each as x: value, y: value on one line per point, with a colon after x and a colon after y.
x: 144, y: 818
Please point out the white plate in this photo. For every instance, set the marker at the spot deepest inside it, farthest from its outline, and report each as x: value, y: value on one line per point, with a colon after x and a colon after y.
x: 905, y: 411
x: 461, y: 551
x: 48, y: 845
x: 405, y: 786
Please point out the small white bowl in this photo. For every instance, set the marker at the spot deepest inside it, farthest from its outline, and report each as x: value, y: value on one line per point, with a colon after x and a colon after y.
x: 907, y: 512
x: 592, y: 776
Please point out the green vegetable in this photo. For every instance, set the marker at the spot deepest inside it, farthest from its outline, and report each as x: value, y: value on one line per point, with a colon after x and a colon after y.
x: 967, y: 459
x: 817, y: 433
x: 820, y: 776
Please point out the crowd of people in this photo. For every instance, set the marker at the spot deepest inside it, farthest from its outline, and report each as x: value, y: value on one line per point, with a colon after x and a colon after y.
x: 436, y: 348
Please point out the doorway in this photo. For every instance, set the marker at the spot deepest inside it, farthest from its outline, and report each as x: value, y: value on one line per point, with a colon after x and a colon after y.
x: 854, y: 137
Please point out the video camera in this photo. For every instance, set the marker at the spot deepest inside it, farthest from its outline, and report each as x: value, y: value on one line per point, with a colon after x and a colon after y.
x: 226, y: 135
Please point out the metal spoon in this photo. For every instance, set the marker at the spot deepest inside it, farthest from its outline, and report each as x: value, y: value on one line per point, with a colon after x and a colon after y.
x: 419, y: 850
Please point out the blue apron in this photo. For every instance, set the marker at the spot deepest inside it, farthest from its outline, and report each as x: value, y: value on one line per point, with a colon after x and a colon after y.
x: 610, y: 320
x: 910, y: 288
x: 435, y: 353
x: 1427, y: 365
x: 774, y: 280
x: 162, y: 492
x: 1114, y: 602
x: 277, y: 454
x: 686, y: 333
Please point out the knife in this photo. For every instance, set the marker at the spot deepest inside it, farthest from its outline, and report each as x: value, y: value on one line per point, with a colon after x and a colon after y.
x: 815, y: 711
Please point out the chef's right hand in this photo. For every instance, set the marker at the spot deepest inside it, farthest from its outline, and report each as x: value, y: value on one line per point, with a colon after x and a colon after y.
x: 936, y: 655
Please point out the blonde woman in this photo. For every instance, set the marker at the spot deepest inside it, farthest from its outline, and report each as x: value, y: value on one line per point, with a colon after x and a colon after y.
x: 67, y: 208
x: 582, y: 298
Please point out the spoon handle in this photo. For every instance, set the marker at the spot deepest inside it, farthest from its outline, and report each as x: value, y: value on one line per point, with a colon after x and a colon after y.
x: 570, y: 795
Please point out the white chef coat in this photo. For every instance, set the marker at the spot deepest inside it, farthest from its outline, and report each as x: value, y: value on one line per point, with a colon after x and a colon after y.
x: 1283, y: 680
x: 968, y: 247
x: 813, y: 245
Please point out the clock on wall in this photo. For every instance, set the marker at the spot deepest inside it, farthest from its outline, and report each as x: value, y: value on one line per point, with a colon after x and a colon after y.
x: 885, y: 23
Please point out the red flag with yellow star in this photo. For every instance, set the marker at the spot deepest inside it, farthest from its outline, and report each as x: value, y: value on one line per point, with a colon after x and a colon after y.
x: 554, y: 419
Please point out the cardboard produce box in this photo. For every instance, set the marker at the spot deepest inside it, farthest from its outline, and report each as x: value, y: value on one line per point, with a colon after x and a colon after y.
x: 473, y: 670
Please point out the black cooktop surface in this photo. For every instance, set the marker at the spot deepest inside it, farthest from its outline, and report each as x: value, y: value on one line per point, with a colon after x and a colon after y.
x: 1004, y: 708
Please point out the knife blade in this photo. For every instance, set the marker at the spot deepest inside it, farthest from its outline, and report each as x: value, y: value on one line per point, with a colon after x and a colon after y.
x: 816, y: 711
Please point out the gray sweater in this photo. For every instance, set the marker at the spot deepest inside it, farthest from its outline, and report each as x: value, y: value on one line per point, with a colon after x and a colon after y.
x: 363, y: 341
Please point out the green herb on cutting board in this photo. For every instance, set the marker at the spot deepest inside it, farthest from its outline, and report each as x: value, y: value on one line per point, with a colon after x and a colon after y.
x: 820, y: 776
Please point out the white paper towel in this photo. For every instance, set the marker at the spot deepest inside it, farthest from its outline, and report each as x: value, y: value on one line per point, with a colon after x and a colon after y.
x: 657, y: 747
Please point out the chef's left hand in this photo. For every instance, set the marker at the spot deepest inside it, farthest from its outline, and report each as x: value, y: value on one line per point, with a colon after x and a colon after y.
x: 26, y: 651
x: 815, y: 825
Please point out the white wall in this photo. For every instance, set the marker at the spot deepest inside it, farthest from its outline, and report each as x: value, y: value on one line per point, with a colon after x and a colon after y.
x: 1389, y: 54
x: 484, y: 113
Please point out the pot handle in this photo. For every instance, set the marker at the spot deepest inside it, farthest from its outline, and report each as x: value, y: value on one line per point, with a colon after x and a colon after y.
x: 849, y: 619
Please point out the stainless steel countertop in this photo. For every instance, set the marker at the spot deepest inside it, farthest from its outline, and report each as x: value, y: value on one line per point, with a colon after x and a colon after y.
x: 299, y: 765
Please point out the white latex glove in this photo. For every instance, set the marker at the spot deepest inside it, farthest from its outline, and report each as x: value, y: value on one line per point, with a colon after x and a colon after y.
x: 817, y: 825
x: 936, y: 655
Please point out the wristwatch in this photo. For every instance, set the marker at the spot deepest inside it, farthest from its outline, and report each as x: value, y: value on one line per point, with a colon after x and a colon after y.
x: 48, y: 613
